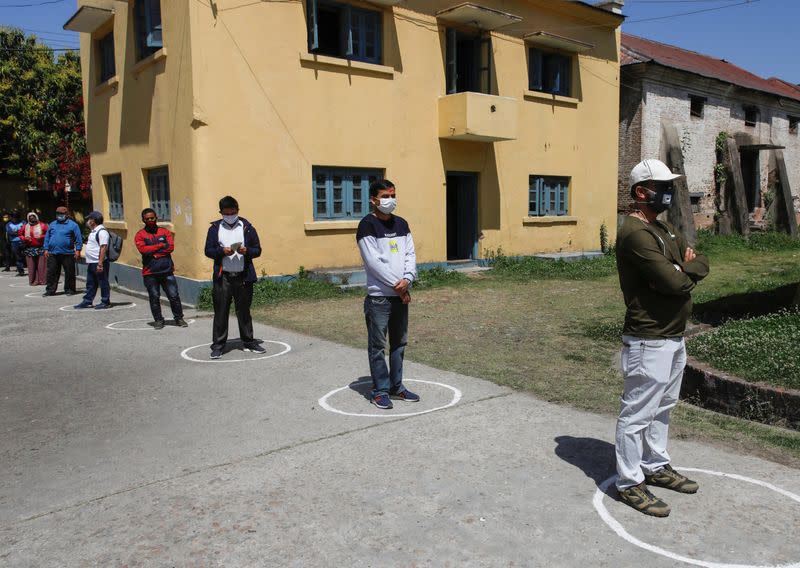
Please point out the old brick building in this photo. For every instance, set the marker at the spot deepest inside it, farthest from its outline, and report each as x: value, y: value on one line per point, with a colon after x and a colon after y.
x: 701, y: 96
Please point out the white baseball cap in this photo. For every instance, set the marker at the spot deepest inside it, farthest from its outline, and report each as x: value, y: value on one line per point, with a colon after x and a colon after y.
x: 655, y: 170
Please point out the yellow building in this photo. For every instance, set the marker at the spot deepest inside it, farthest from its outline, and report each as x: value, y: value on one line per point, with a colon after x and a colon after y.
x: 496, y: 120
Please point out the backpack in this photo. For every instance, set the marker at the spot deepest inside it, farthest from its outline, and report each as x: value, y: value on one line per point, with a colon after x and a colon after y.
x: 114, y: 245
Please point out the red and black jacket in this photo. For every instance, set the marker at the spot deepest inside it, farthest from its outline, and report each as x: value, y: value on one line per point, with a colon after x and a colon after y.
x: 156, y: 249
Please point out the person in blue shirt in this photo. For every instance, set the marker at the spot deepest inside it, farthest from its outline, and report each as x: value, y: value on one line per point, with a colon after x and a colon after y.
x: 12, y: 234
x: 5, y: 244
x: 62, y: 247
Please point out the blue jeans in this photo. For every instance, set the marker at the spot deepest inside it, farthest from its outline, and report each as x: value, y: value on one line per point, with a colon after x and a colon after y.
x: 96, y: 279
x: 386, y: 314
x: 154, y: 284
x: 19, y: 258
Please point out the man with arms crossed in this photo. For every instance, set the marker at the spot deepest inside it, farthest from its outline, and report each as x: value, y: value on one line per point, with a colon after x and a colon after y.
x: 657, y: 272
x: 390, y: 261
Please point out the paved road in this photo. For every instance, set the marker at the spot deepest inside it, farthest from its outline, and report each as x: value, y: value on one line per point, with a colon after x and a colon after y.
x: 117, y: 451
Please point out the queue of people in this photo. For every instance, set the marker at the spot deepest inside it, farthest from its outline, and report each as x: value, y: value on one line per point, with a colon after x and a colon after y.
x: 657, y: 273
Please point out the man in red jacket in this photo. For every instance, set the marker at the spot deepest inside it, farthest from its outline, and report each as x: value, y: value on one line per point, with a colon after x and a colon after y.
x: 156, y: 245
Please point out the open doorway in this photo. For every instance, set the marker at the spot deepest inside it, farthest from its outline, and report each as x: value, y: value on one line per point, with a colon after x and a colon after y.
x: 751, y: 176
x: 462, y: 216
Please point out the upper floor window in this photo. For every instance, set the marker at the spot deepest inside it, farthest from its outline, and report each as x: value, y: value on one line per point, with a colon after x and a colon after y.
x: 697, y: 106
x: 148, y: 27
x: 158, y: 189
x: 548, y: 196
x: 750, y: 115
x: 469, y: 63
x: 549, y: 72
x: 342, y: 193
x: 342, y: 30
x: 116, y: 210
x: 793, y: 120
x: 105, y: 56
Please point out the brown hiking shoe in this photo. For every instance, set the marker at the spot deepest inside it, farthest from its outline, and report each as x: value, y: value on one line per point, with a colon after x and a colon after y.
x: 668, y: 478
x: 640, y: 498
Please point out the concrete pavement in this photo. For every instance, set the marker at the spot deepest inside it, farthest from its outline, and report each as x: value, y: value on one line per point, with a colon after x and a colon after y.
x: 118, y: 451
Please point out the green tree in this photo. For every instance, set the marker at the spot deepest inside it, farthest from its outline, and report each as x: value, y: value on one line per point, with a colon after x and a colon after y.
x: 41, y: 114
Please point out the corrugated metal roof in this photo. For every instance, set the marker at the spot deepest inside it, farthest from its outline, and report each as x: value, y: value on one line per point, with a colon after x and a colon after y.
x: 640, y: 50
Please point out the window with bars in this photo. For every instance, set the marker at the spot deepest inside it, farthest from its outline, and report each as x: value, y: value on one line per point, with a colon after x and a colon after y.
x: 158, y: 189
x: 116, y: 210
x: 149, y: 37
x: 549, y: 72
x: 342, y: 30
x: 342, y: 193
x: 105, y: 56
x: 548, y: 196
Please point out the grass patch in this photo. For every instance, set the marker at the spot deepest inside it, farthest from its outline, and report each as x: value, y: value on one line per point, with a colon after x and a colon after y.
x: 526, y: 268
x: 268, y: 292
x: 765, y: 349
x: 437, y: 277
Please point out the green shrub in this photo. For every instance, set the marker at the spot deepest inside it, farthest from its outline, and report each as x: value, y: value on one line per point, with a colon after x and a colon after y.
x: 763, y: 349
x: 772, y: 241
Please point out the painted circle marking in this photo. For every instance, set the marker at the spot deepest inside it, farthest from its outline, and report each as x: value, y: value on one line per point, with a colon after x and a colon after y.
x: 71, y: 308
x: 20, y: 285
x: 147, y: 328
x: 617, y: 527
x: 39, y: 295
x: 185, y: 354
x: 323, y: 402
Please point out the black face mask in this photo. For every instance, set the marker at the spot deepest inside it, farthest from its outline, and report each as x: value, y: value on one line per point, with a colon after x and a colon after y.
x: 660, y: 198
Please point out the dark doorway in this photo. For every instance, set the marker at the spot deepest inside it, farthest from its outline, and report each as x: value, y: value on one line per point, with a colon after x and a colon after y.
x: 462, y: 216
x: 752, y: 178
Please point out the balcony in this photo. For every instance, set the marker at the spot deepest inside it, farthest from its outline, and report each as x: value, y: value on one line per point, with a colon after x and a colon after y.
x: 477, y: 117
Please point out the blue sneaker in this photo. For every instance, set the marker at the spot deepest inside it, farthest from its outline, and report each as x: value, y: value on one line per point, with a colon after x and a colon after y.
x: 83, y: 306
x: 102, y: 306
x: 382, y: 401
x: 406, y: 395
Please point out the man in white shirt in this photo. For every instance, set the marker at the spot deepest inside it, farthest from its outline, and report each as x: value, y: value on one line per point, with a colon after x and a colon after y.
x: 97, y: 264
x: 387, y: 249
x: 232, y: 242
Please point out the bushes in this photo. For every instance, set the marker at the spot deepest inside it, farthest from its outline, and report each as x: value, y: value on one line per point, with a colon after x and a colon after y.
x: 714, y: 245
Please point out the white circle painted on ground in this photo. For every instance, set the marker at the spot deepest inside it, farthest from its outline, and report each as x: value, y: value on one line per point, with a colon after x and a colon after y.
x: 41, y: 295
x: 617, y: 527
x: 147, y: 327
x: 71, y: 308
x: 185, y: 354
x: 20, y: 285
x: 323, y: 402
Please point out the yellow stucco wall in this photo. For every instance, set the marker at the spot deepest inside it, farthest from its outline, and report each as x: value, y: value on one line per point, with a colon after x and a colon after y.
x: 238, y: 106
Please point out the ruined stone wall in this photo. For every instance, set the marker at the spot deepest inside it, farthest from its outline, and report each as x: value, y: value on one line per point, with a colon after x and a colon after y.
x: 663, y: 103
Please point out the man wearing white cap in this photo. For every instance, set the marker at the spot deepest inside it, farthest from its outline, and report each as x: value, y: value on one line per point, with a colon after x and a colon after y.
x: 657, y: 272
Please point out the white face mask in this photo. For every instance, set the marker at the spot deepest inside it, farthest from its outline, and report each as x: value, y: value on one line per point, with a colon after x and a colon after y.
x: 230, y: 219
x: 387, y: 205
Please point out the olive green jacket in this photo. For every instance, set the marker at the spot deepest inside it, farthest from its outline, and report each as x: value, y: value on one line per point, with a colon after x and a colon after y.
x: 655, y: 281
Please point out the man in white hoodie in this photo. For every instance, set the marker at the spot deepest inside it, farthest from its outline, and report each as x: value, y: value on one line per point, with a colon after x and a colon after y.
x: 390, y: 261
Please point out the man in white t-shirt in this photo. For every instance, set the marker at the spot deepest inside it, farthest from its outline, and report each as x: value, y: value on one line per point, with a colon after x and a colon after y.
x: 97, y: 264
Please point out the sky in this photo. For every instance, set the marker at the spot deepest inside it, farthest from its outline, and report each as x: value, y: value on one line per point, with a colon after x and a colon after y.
x: 758, y: 35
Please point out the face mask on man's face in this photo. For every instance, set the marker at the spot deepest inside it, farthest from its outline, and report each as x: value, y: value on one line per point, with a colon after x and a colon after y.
x: 151, y: 224
x: 660, y: 198
x: 230, y: 219
x: 61, y: 217
x: 387, y: 205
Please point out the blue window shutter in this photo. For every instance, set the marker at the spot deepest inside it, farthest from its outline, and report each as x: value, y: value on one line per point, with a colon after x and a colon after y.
x: 564, y: 197
x: 313, y: 30
x: 535, y: 64
x: 452, y: 61
x: 347, y: 28
x: 533, y: 197
x: 153, y: 23
x: 564, y: 74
